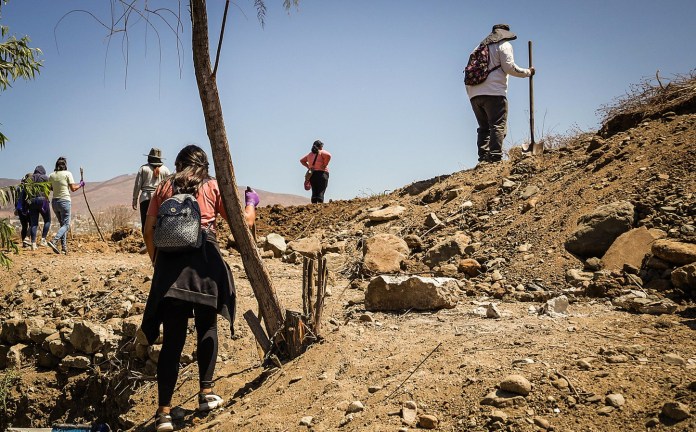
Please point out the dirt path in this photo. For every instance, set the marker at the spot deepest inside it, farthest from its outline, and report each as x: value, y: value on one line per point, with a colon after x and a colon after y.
x: 375, y: 358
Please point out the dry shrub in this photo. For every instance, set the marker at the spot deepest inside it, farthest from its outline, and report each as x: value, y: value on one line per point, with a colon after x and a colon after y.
x: 649, y: 98
x: 115, y: 218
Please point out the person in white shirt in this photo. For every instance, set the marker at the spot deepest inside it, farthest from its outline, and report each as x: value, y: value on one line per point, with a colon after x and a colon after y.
x: 489, y: 99
x: 146, y: 181
x: 62, y: 183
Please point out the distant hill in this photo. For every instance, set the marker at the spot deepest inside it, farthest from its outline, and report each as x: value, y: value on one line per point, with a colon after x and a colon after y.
x: 118, y: 192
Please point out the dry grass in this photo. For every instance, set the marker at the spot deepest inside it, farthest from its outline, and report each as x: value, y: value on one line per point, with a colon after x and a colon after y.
x: 651, y: 96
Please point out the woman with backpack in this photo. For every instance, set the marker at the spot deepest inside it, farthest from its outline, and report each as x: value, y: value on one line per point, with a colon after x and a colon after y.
x: 22, y: 210
x: 317, y: 164
x: 39, y: 206
x: 194, y: 282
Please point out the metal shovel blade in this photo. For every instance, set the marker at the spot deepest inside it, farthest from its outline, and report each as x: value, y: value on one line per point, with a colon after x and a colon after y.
x: 537, y: 148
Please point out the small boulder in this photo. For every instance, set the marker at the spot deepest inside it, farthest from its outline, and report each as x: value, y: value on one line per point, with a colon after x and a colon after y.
x: 615, y: 399
x: 684, y: 277
x: 469, y: 267
x: 529, y: 192
x: 432, y: 220
x: 597, y: 230
x: 446, y: 249
x: 276, y: 244
x: 386, y: 293
x: 674, y: 252
x: 516, y: 384
x: 89, y: 337
x: 386, y: 214
x: 409, y: 413
x: 308, y: 246
x: 355, y: 407
x: 76, y: 362
x: 676, y: 411
x: 428, y: 421
x: 629, y: 248
x: 384, y: 253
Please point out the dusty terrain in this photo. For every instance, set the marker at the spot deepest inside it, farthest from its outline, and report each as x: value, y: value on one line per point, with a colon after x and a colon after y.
x: 446, y: 361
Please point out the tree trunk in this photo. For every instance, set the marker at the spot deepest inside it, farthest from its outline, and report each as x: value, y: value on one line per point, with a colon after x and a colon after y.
x: 207, y: 87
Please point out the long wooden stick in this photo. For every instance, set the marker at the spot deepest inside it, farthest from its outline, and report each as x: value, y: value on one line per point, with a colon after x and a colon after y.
x: 531, y: 100
x: 82, y: 177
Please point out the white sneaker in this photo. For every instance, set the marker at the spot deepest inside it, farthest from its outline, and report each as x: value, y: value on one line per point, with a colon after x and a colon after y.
x: 43, y: 242
x: 208, y: 401
x: 33, y: 246
x: 163, y: 422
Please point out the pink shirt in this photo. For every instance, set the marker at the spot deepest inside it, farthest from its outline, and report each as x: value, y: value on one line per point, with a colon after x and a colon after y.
x: 322, y: 163
x: 209, y: 200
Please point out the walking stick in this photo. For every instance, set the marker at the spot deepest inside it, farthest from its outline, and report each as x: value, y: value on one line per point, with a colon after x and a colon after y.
x: 82, y: 177
x: 537, y: 148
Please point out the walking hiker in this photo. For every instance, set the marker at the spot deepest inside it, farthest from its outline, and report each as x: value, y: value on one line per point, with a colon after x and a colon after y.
x: 489, y: 97
x: 196, y: 282
x: 317, y: 161
x: 22, y: 210
x: 39, y: 205
x: 146, y: 181
x: 62, y: 183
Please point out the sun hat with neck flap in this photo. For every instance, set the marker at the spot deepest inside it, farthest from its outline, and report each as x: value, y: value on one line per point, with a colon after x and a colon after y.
x: 499, y: 33
x: 154, y: 157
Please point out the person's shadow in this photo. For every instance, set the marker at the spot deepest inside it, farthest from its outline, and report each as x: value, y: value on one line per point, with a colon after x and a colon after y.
x: 188, y: 418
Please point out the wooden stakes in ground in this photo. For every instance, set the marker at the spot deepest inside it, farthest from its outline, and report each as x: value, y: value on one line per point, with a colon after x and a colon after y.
x: 299, y: 330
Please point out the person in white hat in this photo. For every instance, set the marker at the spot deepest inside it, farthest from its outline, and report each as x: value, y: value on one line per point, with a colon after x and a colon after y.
x: 149, y: 176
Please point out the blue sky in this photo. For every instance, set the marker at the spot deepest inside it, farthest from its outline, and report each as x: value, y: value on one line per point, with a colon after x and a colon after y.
x: 379, y: 82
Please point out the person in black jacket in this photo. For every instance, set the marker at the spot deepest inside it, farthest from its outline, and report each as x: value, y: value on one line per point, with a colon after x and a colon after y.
x: 39, y: 206
x: 194, y: 283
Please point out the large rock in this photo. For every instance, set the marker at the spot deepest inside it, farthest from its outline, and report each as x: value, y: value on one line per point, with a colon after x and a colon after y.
x: 596, y: 231
x: 684, y: 277
x: 389, y: 293
x: 448, y: 248
x: 386, y: 214
x: 674, y: 252
x: 89, y: 337
x: 308, y: 246
x: 630, y: 248
x: 275, y: 243
x: 384, y: 253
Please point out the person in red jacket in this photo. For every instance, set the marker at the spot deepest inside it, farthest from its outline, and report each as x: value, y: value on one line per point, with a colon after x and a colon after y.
x: 317, y: 161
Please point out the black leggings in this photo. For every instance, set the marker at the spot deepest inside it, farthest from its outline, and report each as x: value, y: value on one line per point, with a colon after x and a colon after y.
x: 175, y: 323
x: 36, y: 210
x: 143, y: 214
x: 24, y: 220
x: 319, y: 181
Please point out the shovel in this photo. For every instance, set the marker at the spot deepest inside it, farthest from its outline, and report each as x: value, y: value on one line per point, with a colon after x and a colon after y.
x: 537, y: 148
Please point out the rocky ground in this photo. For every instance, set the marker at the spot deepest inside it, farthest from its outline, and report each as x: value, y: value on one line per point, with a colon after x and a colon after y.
x: 566, y: 304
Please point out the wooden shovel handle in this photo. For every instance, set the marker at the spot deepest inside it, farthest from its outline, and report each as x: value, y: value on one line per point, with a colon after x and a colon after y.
x: 531, y: 97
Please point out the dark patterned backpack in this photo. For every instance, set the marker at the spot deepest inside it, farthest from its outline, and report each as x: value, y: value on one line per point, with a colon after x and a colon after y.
x: 178, y: 226
x: 476, y: 71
